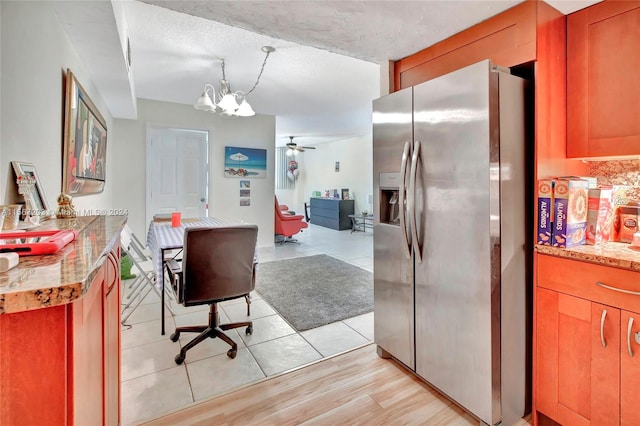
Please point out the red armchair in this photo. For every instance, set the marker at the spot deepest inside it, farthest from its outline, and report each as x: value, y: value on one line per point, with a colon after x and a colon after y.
x: 287, y: 225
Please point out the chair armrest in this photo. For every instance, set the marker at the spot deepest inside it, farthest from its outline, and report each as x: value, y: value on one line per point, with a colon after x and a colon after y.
x: 292, y: 217
x: 175, y: 276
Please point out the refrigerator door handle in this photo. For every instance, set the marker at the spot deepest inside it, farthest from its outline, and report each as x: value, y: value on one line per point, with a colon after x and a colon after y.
x: 403, y: 208
x: 412, y: 201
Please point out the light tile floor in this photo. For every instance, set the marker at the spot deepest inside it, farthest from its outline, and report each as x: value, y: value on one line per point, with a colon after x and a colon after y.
x: 153, y: 385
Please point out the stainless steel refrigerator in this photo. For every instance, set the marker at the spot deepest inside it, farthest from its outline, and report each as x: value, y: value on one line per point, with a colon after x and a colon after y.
x: 449, y: 237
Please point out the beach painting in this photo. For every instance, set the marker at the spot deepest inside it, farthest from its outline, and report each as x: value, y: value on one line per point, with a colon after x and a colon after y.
x: 245, y: 162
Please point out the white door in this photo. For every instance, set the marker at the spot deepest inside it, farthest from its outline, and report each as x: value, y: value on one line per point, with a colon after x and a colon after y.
x: 177, y: 169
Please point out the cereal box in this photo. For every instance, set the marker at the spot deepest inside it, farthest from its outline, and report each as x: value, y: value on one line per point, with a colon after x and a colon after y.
x: 570, y: 198
x: 593, y: 181
x: 628, y: 222
x: 619, y: 198
x: 599, y: 215
x: 545, y: 210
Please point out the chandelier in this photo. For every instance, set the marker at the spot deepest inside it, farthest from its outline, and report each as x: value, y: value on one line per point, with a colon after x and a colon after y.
x: 230, y: 103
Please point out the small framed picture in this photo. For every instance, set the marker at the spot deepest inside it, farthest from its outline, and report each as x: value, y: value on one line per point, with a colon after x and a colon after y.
x: 33, y: 194
x: 337, y: 166
x: 345, y: 193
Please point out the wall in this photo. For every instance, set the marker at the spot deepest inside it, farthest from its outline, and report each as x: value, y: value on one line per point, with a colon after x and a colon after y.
x: 1, y: 186
x: 35, y: 55
x: 317, y: 170
x: 253, y: 132
x: 622, y: 172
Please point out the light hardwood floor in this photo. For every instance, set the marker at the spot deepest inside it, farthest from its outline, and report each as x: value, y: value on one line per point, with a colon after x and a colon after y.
x: 357, y: 387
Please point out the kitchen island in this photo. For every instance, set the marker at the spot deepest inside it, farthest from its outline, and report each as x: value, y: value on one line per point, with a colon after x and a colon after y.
x: 60, y: 329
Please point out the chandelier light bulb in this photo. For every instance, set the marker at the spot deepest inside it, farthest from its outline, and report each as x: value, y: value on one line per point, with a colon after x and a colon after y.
x: 229, y: 104
x: 245, y: 110
x: 205, y: 103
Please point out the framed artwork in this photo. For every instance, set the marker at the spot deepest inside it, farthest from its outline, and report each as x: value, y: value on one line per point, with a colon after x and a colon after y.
x: 345, y: 193
x: 29, y: 186
x: 245, y: 162
x: 85, y: 142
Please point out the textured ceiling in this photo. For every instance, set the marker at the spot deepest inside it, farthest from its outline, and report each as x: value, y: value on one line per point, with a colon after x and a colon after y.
x: 373, y: 31
x: 320, y: 81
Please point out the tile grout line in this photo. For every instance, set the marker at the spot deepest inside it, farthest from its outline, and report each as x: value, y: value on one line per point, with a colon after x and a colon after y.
x: 325, y: 239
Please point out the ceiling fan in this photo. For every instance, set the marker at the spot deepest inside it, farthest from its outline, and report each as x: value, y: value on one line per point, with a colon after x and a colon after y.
x: 294, y: 147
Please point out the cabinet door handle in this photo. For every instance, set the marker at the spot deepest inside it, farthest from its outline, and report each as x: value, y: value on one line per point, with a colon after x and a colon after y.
x: 114, y: 263
x: 629, y: 336
x: 602, y: 318
x: 608, y: 287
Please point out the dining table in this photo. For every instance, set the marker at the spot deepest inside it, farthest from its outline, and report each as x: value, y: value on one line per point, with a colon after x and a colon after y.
x: 163, y: 238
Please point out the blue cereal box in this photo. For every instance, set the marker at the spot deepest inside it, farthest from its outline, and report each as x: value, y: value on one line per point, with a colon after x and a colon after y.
x: 545, y: 211
x: 570, y: 203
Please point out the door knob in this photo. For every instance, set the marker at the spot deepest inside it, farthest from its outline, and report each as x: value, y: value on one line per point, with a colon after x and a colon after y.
x: 202, y: 199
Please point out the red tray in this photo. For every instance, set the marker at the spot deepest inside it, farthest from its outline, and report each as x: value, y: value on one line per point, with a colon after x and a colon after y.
x: 36, y: 242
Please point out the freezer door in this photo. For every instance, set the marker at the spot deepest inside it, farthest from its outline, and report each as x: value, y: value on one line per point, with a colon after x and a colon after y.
x: 392, y: 262
x: 457, y: 221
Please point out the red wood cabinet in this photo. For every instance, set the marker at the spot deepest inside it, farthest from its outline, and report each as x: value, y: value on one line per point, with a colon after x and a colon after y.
x: 629, y: 368
x: 603, y: 80
x: 508, y: 39
x: 85, y: 370
x: 111, y: 327
x: 96, y: 348
x: 66, y: 355
x: 584, y: 371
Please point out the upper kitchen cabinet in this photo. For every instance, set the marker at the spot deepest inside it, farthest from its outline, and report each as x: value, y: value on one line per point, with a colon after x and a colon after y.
x: 508, y: 39
x: 531, y: 36
x: 603, y: 80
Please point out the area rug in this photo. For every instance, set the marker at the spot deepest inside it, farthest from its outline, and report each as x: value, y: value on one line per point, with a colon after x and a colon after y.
x: 315, y: 290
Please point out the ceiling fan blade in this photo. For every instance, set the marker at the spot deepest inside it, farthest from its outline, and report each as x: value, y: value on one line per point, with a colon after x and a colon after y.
x: 308, y: 147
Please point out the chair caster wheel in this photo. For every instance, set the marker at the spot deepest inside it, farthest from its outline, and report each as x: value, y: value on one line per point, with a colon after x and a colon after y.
x: 231, y: 353
x: 174, y: 337
x: 179, y: 359
x: 249, y: 330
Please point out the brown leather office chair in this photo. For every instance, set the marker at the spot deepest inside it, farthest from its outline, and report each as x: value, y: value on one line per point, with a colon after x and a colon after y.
x: 217, y: 265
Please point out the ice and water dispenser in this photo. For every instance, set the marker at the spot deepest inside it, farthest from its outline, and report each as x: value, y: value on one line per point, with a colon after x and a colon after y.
x: 390, y: 198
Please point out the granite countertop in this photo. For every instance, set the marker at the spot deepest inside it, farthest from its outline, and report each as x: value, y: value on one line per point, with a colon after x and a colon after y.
x: 62, y: 277
x: 617, y: 255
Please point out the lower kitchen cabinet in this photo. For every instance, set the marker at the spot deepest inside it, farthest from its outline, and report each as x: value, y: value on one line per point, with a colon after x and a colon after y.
x: 112, y: 344
x: 95, y: 365
x: 587, y: 358
x: 630, y: 368
x: 61, y: 364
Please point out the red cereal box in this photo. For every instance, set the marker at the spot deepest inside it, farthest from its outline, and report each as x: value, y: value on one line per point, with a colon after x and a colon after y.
x: 599, y: 215
x: 619, y: 198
